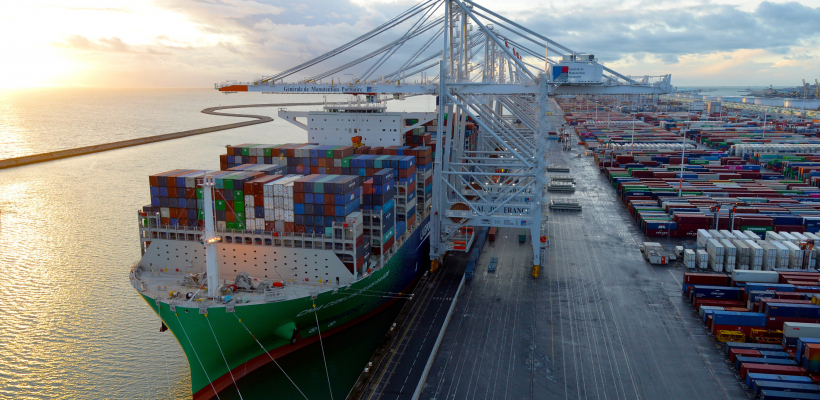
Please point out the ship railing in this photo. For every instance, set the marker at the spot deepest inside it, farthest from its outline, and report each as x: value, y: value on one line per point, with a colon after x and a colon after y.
x: 273, y: 295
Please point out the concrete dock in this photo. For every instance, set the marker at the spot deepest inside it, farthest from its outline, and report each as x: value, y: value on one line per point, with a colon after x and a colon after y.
x: 398, y: 370
x: 599, y: 322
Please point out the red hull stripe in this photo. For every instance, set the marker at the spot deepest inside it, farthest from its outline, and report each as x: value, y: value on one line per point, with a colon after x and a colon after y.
x: 207, y: 393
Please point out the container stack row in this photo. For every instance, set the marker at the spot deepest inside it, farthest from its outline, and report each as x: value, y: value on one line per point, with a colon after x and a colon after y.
x: 747, y: 251
x: 770, y: 323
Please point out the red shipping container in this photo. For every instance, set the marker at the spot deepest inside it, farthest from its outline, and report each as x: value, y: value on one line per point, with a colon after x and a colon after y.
x: 717, y: 303
x: 803, y: 276
x: 733, y: 353
x: 788, y: 295
x: 770, y: 369
x: 270, y: 226
x: 789, y: 228
x: 776, y: 323
x: 694, y: 278
x: 259, y: 200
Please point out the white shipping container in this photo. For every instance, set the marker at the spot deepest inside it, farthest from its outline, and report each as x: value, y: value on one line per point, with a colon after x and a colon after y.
x: 260, y: 223
x: 729, y: 235
x: 740, y: 235
x: 713, y: 247
x: 755, y: 276
x: 795, y: 255
x: 742, y: 251
x: 716, y: 234
x: 729, y: 264
x: 689, y: 257
x: 788, y: 237
x: 716, y: 264
x: 801, y: 237
x: 249, y: 199
x: 769, y: 255
x: 755, y: 255
x: 703, y: 236
x: 800, y: 329
x: 752, y: 235
x: 702, y: 259
x: 773, y: 236
x: 816, y: 238
x: 782, y: 254
x: 289, y: 216
x: 728, y: 248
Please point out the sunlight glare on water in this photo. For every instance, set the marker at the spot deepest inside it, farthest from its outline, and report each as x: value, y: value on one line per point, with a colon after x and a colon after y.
x: 72, y: 327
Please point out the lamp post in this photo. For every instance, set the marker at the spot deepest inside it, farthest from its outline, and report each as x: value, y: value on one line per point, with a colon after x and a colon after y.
x: 683, y: 155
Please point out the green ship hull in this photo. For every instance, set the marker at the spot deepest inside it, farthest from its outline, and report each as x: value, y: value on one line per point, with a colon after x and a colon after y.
x: 223, y: 346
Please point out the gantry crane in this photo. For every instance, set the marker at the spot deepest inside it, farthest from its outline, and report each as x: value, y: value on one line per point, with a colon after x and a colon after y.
x: 488, y: 69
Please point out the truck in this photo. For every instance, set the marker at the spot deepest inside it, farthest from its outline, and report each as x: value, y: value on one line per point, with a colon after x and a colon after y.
x: 654, y: 253
x: 491, y: 234
x: 522, y: 235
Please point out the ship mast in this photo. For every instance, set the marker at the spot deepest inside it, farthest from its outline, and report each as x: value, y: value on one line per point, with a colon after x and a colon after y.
x: 209, y: 238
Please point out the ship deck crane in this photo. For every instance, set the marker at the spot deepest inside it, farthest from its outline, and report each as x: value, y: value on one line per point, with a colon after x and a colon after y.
x: 488, y: 69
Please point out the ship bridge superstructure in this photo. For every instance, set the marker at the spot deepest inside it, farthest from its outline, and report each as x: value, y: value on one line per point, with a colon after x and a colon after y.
x: 493, y: 78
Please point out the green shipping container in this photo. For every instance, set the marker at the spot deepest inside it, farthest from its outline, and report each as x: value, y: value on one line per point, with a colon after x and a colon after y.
x: 200, y: 215
x: 200, y: 194
x: 239, y: 195
x: 757, y: 228
x: 220, y: 205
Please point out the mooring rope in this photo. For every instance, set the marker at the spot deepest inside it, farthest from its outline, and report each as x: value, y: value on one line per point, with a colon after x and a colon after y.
x: 271, y: 357
x: 329, y: 387
x: 223, y: 357
x: 197, y: 356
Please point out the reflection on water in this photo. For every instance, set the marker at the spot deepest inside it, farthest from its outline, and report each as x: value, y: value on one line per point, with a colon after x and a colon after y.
x: 72, y: 327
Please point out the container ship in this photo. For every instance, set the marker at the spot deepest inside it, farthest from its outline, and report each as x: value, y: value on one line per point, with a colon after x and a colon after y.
x: 287, y: 243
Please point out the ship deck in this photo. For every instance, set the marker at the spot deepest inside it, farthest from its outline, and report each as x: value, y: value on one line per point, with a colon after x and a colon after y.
x: 599, y: 322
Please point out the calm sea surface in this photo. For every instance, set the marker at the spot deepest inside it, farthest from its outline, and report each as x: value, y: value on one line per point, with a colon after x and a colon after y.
x: 71, y: 326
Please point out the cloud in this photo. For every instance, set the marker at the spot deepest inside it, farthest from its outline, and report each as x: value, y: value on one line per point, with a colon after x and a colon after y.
x: 243, y: 39
x: 611, y: 33
x: 109, y: 45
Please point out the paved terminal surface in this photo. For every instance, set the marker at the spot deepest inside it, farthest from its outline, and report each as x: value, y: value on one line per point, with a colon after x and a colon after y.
x: 599, y: 323
x: 399, y: 372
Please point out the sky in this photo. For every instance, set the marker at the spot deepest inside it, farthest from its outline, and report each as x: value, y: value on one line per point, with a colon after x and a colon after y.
x: 196, y: 43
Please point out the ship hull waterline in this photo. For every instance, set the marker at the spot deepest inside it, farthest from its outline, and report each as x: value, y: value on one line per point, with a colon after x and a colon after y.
x: 212, y: 340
